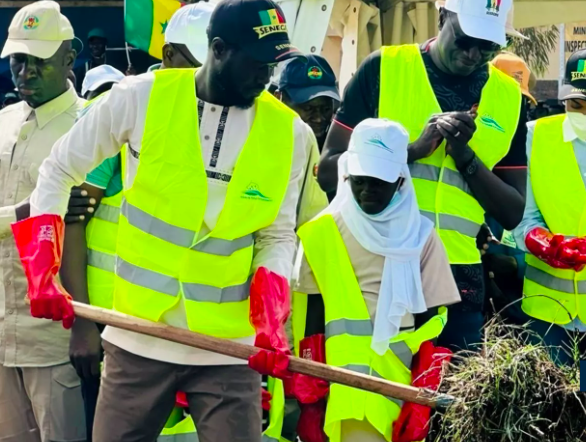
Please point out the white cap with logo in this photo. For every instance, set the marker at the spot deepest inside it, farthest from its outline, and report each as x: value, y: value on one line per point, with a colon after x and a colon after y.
x: 483, y: 19
x: 38, y: 29
x: 378, y: 148
x: 96, y: 77
x: 189, y: 26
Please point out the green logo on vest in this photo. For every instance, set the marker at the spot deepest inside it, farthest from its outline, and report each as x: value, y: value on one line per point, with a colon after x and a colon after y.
x: 252, y: 193
x: 487, y: 120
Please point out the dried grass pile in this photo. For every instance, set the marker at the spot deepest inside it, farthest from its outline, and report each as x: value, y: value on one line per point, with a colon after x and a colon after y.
x: 511, y: 392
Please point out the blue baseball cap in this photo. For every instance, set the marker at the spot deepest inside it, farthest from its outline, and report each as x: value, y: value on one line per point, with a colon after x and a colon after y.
x: 309, y: 78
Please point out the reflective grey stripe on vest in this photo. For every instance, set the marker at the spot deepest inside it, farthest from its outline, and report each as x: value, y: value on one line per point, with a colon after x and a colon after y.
x: 224, y: 247
x: 364, y: 328
x: 452, y: 222
x: 183, y: 437
x: 553, y: 282
x: 402, y: 352
x: 424, y: 171
x: 354, y: 327
x: 208, y: 293
x: 147, y: 278
x: 108, y: 213
x: 101, y: 260
x: 365, y: 369
x: 182, y: 237
x: 156, y: 227
x: 455, y: 179
x: 430, y: 172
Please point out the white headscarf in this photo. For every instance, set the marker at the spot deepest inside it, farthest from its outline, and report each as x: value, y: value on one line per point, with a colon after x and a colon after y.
x: 398, y: 233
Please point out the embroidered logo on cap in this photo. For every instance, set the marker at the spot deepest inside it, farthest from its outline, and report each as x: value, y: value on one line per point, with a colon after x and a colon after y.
x: 31, y: 22
x: 487, y: 120
x: 272, y: 22
x: 377, y: 141
x: 315, y: 73
x: 252, y: 193
x: 493, y: 7
x: 580, y: 74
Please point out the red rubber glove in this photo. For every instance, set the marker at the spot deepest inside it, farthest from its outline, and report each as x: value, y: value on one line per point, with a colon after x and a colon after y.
x: 311, y: 392
x: 181, y: 400
x: 307, y: 389
x: 573, y: 252
x: 269, y: 309
x: 413, y: 422
x: 39, y: 241
x: 544, y: 245
x: 310, y: 427
x: 266, y: 398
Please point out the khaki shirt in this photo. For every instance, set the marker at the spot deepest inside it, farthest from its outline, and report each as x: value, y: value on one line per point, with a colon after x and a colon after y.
x: 439, y: 287
x: 26, y: 139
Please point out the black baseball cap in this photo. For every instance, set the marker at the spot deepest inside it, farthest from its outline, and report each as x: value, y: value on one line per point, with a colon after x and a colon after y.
x: 574, y: 84
x: 256, y: 26
x: 309, y: 78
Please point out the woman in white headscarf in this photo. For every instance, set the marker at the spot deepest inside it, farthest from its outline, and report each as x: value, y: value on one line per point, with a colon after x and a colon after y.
x: 373, y: 278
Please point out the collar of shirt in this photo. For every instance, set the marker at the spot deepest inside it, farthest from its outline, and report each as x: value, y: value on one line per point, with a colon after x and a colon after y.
x: 45, y: 113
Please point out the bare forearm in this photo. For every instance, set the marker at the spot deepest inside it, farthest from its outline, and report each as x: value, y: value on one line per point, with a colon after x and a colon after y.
x: 74, y: 267
x: 327, y: 173
x: 500, y: 200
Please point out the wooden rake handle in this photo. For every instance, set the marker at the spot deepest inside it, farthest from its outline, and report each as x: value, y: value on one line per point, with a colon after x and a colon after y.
x: 241, y: 351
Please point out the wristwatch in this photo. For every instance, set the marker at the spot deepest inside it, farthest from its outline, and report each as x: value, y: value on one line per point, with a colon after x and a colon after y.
x: 471, y: 167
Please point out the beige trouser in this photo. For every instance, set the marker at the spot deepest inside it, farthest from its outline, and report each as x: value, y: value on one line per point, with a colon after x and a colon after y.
x: 360, y: 431
x: 41, y: 404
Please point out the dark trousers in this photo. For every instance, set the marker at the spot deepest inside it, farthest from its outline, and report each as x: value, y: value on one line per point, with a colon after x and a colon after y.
x: 89, y: 390
x: 463, y: 330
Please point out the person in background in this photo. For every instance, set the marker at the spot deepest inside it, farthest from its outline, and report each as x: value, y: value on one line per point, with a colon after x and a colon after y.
x: 467, y: 135
x: 10, y: 98
x: 375, y: 275
x: 99, y: 80
x: 186, y: 43
x: 40, y: 395
x: 552, y: 231
x: 308, y: 86
x: 97, y: 43
x: 242, y: 219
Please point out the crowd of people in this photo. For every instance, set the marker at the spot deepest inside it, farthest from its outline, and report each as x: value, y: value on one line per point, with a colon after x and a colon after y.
x: 374, y: 231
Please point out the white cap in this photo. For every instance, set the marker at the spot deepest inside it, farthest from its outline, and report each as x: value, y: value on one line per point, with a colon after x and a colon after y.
x: 96, y: 77
x: 510, y: 26
x: 189, y: 26
x: 378, y: 148
x: 483, y: 19
x: 38, y: 29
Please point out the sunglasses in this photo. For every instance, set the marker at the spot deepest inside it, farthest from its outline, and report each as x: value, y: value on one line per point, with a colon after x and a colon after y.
x: 485, y: 47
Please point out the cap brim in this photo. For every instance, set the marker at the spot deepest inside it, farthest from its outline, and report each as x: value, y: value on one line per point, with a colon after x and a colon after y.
x: 98, y: 84
x: 528, y: 95
x: 37, y: 48
x: 514, y: 33
x: 305, y: 94
x: 368, y: 165
x: 270, y: 52
x: 567, y: 92
x: 484, y: 29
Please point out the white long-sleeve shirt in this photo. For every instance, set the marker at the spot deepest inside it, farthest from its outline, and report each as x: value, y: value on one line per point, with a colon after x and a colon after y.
x: 119, y: 118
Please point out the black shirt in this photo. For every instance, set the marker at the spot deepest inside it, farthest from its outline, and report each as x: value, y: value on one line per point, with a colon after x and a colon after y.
x: 454, y: 93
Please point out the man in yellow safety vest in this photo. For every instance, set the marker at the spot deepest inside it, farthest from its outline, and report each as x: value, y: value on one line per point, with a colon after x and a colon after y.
x: 553, y: 228
x: 206, y: 233
x: 467, y: 138
x: 374, y: 279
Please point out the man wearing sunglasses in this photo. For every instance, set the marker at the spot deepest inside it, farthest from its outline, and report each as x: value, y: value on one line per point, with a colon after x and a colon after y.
x: 467, y: 134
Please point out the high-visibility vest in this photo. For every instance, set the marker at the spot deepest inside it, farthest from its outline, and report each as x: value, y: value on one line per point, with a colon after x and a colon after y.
x: 161, y: 254
x: 179, y: 428
x: 553, y: 295
x: 101, y: 235
x: 274, y: 430
x: 349, y: 332
x: 443, y: 195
